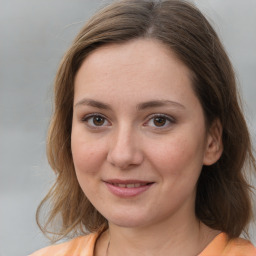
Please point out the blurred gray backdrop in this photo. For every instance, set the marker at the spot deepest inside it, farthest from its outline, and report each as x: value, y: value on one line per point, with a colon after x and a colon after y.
x: 34, y: 35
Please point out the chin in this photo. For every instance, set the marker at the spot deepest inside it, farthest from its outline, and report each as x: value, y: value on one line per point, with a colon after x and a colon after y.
x: 127, y: 224
x: 128, y: 221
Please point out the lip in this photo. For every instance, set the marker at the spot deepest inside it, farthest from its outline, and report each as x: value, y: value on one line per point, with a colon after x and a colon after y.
x: 126, y: 192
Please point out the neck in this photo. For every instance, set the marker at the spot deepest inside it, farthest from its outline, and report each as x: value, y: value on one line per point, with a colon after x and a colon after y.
x: 159, y: 240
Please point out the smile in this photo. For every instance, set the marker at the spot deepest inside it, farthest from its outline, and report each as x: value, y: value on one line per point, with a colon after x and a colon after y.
x: 132, y: 185
x: 126, y: 189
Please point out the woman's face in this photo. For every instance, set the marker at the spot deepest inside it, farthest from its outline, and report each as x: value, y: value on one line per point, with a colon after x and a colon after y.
x: 138, y: 135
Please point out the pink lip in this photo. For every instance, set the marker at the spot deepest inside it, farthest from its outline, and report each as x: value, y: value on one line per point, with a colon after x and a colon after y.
x: 127, y: 192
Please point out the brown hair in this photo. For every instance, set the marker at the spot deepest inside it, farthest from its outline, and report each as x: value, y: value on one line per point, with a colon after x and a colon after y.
x: 223, y: 195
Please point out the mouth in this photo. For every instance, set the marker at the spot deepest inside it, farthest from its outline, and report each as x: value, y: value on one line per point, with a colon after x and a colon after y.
x: 127, y: 188
x: 130, y: 185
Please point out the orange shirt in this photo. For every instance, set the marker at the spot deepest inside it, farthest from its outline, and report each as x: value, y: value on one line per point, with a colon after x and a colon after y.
x: 222, y: 246
x: 84, y: 246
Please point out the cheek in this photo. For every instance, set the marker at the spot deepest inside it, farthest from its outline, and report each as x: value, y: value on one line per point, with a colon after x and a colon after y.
x: 177, y: 156
x: 87, y: 156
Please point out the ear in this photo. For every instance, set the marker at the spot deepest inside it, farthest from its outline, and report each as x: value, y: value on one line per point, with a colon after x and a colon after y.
x: 214, y: 145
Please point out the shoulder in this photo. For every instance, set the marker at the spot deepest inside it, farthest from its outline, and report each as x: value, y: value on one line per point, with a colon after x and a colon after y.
x: 80, y: 246
x: 221, y: 245
x: 240, y: 247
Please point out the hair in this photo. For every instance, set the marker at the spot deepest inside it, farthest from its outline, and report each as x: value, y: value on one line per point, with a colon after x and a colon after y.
x: 223, y: 194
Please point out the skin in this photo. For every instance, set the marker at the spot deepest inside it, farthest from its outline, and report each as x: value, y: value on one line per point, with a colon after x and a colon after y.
x: 121, y: 137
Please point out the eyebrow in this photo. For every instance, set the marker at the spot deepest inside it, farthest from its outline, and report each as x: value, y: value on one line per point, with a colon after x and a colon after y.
x: 141, y: 106
x: 92, y: 103
x: 159, y: 103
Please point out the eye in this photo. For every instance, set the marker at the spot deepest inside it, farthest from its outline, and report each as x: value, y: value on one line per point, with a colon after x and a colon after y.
x: 160, y: 121
x: 96, y: 120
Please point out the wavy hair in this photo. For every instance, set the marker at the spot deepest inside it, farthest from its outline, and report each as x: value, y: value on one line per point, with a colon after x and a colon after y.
x: 223, y: 194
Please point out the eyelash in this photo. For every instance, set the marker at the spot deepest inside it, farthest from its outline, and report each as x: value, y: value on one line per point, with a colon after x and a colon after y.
x: 165, y: 117
x: 87, y: 118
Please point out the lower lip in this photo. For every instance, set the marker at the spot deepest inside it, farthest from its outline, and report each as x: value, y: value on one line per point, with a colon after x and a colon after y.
x: 127, y: 192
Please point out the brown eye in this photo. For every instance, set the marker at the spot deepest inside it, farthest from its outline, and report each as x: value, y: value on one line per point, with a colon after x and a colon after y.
x: 159, y: 121
x: 98, y: 120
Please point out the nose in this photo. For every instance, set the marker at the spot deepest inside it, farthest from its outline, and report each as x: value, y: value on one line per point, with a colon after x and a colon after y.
x: 124, y: 149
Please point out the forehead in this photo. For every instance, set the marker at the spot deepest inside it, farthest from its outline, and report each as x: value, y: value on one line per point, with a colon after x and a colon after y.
x: 142, y: 67
x: 134, y: 52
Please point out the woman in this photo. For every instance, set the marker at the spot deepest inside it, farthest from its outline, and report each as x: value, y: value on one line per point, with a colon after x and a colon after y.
x: 148, y: 140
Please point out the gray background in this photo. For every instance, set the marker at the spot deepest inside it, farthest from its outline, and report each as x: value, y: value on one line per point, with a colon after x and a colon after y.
x: 34, y: 34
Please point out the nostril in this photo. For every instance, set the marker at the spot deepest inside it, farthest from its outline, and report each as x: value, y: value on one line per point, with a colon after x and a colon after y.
x: 125, y: 158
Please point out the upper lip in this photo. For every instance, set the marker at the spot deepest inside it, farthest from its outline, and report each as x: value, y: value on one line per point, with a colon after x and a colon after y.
x: 118, y: 181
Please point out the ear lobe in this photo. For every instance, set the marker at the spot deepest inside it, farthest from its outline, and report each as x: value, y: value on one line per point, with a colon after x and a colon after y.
x: 214, y: 145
